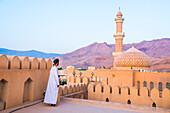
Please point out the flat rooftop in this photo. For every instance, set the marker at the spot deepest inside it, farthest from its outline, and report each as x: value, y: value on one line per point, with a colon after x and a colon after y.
x: 69, y: 105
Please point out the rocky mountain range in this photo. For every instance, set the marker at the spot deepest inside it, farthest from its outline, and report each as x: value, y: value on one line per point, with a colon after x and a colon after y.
x: 31, y: 53
x: 100, y: 54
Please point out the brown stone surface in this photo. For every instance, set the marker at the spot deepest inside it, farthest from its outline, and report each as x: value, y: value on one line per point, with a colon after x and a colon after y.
x: 4, y: 62
x: 20, y: 84
x: 84, y: 106
x: 2, y: 104
x: 69, y: 108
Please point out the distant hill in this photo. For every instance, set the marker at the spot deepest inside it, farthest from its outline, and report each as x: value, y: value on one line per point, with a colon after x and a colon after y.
x: 100, y: 54
x: 161, y: 65
x: 31, y: 53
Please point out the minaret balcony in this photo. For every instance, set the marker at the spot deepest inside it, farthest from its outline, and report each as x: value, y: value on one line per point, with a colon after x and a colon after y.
x: 119, y: 19
x: 116, y: 54
x: 119, y: 35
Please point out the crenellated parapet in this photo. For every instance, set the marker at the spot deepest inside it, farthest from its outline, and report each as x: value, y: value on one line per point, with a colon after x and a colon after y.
x: 72, y: 80
x: 84, y: 79
x: 4, y: 62
x: 129, y: 95
x: 42, y: 63
x: 15, y: 62
x: 25, y: 62
x: 72, y: 88
x: 49, y: 63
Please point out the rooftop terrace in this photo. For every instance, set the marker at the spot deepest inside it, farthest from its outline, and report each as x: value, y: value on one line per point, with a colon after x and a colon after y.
x: 69, y: 105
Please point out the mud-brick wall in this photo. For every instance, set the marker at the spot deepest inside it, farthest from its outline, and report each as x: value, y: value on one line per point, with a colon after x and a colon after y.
x: 22, y: 79
x: 129, y: 95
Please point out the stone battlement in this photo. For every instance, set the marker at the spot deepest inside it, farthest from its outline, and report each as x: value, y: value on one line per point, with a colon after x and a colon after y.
x: 72, y: 88
x: 72, y: 80
x: 129, y: 95
x: 15, y: 62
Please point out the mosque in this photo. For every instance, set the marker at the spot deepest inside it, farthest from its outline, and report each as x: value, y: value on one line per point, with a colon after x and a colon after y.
x: 130, y: 72
x: 132, y: 58
x: 131, y: 67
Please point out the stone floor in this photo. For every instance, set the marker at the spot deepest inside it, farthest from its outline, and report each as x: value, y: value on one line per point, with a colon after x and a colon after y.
x: 76, y: 106
x: 69, y: 108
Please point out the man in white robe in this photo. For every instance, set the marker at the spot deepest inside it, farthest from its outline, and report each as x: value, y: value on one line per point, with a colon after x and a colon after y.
x: 53, y: 85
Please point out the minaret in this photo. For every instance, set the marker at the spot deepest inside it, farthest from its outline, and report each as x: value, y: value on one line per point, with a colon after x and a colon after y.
x: 119, y: 35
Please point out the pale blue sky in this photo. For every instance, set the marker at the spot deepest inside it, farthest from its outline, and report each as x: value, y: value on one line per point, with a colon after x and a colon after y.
x: 62, y: 26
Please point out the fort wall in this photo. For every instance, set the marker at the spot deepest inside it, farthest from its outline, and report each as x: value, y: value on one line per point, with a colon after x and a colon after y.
x: 152, y: 77
x: 127, y: 95
x: 72, y: 88
x: 22, y: 79
x: 124, y: 77
x: 100, y: 89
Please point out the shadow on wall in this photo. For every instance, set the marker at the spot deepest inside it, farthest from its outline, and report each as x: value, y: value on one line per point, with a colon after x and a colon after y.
x: 3, y: 92
x: 154, y: 105
x: 128, y: 102
x: 28, y: 90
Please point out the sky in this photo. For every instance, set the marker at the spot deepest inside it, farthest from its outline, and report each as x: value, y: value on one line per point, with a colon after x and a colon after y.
x: 62, y: 26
